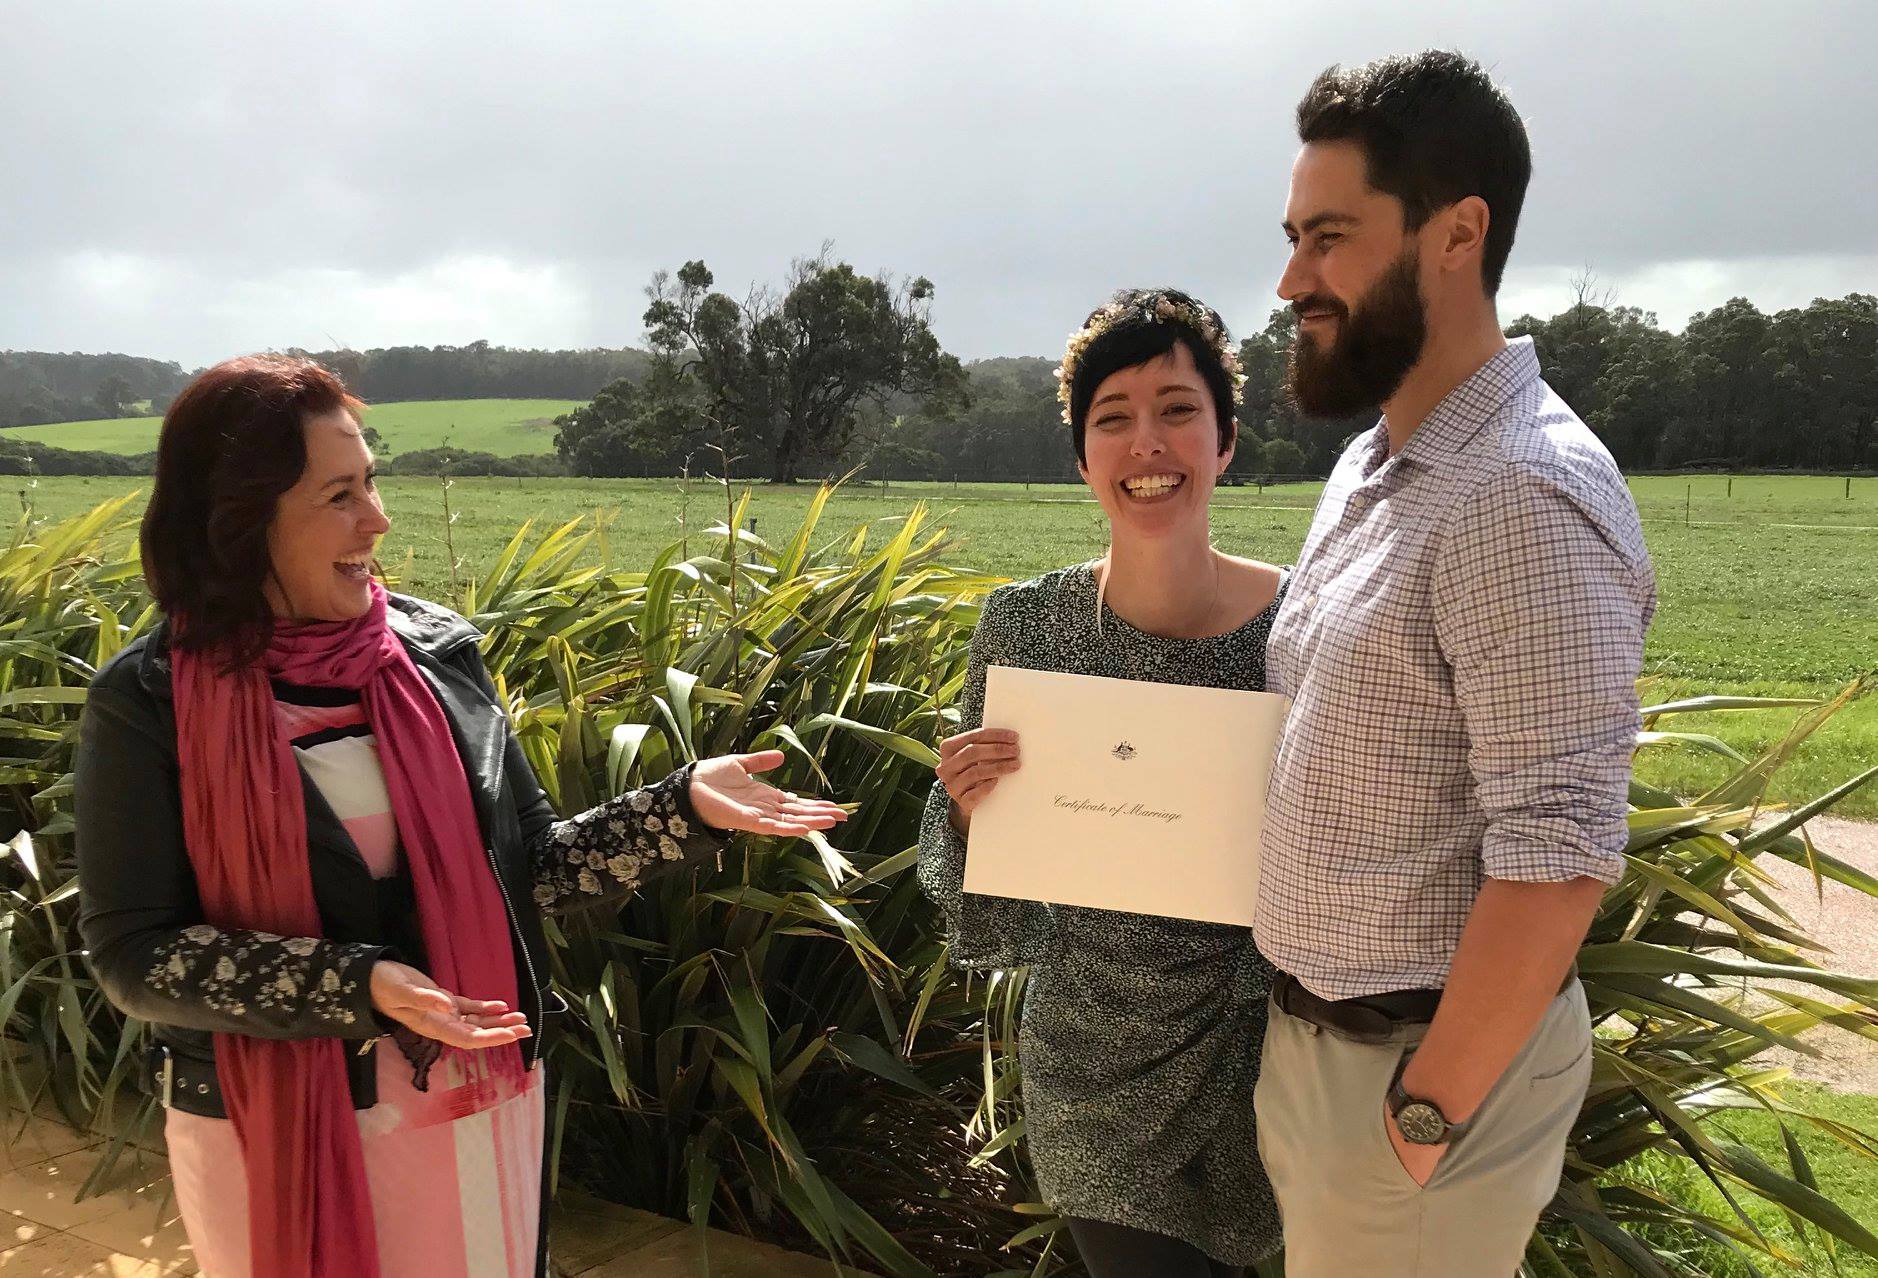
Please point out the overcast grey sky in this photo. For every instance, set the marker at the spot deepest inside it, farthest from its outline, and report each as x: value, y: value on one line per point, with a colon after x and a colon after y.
x: 190, y: 181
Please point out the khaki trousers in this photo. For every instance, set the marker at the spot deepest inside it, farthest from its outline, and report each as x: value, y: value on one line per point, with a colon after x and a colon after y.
x: 1349, y: 1207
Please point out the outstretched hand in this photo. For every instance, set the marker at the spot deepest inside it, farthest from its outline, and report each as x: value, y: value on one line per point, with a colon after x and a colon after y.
x: 726, y: 794
x: 419, y: 1004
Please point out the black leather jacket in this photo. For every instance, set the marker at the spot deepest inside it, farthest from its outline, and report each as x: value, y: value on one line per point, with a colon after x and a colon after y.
x: 157, y: 959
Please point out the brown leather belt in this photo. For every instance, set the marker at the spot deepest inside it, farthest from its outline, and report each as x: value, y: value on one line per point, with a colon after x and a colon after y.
x: 1373, y: 1018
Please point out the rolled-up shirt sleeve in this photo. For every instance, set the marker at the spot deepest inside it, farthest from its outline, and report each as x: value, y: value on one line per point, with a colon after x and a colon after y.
x: 1541, y: 619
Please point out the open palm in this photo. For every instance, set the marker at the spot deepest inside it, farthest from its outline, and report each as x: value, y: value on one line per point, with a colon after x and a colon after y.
x: 726, y: 793
x: 418, y: 1003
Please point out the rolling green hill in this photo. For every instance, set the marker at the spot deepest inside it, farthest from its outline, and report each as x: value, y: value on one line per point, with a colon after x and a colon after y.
x: 505, y: 427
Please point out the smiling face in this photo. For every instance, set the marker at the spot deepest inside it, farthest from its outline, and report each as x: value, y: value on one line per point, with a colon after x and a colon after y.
x: 1151, y: 446
x: 1354, y: 280
x: 326, y: 527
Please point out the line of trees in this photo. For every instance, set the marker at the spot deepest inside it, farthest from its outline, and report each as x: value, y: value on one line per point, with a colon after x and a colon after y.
x: 39, y: 387
x: 1737, y: 388
x: 840, y: 370
x: 481, y: 371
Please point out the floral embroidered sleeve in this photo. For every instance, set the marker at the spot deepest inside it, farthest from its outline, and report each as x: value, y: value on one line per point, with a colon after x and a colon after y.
x: 245, y: 982
x: 611, y: 850
x: 141, y: 916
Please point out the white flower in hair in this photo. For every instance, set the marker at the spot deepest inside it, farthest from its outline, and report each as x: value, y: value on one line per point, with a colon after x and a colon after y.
x: 1156, y: 308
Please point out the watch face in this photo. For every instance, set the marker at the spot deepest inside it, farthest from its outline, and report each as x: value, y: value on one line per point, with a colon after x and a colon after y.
x: 1421, y: 1123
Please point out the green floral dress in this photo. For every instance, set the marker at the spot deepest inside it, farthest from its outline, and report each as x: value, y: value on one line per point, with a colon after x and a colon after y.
x: 1140, y: 1035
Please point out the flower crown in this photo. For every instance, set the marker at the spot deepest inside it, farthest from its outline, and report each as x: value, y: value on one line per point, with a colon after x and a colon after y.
x: 1154, y: 308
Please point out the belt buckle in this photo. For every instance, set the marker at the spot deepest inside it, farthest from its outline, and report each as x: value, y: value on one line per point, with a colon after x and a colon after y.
x: 166, y: 1076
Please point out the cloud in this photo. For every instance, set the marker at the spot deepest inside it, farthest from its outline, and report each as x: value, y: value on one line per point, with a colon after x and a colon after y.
x: 453, y: 301
x: 102, y: 300
x: 224, y: 176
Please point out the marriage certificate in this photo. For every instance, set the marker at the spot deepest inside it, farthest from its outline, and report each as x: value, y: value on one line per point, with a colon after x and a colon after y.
x: 1147, y: 797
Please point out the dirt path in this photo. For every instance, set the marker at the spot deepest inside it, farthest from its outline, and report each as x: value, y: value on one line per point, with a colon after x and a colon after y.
x: 1846, y: 921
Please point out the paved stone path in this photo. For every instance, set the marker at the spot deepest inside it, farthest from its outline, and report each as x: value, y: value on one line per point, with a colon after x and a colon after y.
x: 1846, y: 922
x: 131, y: 1229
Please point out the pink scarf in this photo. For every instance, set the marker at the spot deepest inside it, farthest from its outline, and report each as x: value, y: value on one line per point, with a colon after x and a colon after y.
x: 244, y: 820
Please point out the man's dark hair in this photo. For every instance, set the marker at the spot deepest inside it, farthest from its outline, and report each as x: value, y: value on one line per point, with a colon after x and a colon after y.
x: 1138, y: 337
x: 1434, y: 129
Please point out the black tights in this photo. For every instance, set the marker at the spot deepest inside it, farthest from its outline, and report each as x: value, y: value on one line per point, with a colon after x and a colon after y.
x: 1122, y: 1251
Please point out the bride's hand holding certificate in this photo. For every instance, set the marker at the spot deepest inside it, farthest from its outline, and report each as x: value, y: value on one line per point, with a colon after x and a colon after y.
x: 970, y: 766
x: 1141, y: 796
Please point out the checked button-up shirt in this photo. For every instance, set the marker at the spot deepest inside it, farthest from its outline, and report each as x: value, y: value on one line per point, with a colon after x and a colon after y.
x: 1461, y: 643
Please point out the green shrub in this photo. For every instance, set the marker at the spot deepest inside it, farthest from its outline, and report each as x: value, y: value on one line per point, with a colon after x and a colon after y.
x: 778, y: 1046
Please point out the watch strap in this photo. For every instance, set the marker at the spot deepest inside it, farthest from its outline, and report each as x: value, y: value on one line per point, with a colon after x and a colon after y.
x: 1399, y: 1098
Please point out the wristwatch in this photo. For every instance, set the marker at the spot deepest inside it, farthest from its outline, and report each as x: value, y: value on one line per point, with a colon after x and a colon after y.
x: 1421, y: 1122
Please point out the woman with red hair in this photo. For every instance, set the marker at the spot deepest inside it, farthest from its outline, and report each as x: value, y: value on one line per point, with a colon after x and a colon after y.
x: 314, y: 858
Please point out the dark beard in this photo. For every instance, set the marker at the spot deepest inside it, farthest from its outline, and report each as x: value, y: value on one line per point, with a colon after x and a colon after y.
x: 1376, y: 344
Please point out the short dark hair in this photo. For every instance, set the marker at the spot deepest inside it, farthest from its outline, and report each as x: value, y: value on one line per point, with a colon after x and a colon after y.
x: 1134, y: 339
x: 1434, y: 129
x: 231, y: 444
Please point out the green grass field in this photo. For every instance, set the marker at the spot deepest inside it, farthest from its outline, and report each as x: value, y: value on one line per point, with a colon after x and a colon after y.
x: 1769, y: 590
x: 505, y: 427
x: 1842, y: 1177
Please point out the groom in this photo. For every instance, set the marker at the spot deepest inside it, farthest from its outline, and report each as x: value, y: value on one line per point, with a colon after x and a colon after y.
x: 1461, y: 642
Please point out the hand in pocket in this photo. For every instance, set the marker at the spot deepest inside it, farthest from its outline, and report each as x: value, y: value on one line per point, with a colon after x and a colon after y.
x: 1419, y: 1161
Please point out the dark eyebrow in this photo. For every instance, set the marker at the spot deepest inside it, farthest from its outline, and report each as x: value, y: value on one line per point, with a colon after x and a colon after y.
x: 370, y: 471
x: 1165, y: 390
x: 1320, y: 220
